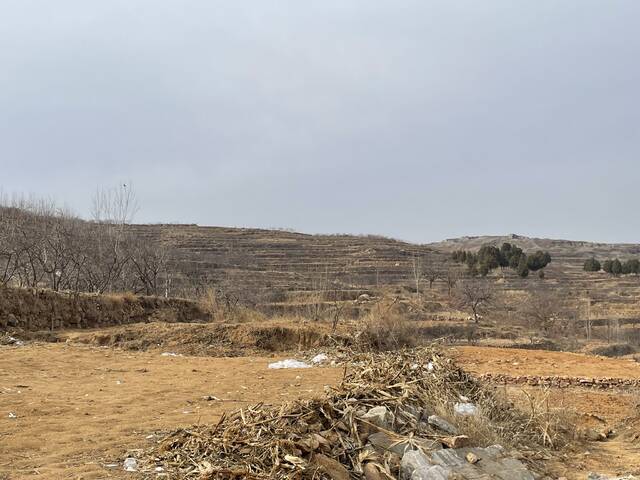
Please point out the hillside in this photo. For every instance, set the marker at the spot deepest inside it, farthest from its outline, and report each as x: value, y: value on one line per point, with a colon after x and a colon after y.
x: 273, y: 266
x: 281, y: 261
x: 565, y: 250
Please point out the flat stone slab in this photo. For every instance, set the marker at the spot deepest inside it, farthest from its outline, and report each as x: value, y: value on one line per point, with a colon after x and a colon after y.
x: 493, y: 463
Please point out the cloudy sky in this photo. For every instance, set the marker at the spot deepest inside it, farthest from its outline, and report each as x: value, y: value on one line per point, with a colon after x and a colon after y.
x: 415, y: 119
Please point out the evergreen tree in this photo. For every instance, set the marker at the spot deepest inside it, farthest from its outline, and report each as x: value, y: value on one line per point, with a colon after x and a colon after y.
x: 616, y: 267
x: 631, y: 266
x: 538, y: 260
x: 522, y: 269
x: 592, y: 265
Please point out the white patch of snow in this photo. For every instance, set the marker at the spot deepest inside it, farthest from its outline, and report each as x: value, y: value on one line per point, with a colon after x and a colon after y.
x: 289, y: 363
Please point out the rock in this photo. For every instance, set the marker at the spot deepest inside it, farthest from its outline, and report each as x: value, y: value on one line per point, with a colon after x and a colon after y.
x: 459, y: 441
x: 442, y: 424
x: 492, y: 463
x: 380, y: 416
x: 472, y: 458
x: 412, y: 461
x: 384, y: 441
x: 130, y: 464
x: 435, y: 472
x: 594, y: 436
x: 334, y: 469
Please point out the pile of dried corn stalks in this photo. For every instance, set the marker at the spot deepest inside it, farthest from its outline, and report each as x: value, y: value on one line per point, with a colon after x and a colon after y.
x: 306, y: 439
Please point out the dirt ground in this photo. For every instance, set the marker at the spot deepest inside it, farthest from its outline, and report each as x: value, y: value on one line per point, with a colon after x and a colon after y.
x: 80, y: 408
x: 617, y: 412
x: 513, y: 361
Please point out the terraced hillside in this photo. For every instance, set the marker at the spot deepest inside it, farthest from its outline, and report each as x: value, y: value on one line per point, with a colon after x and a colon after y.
x: 281, y: 261
x: 278, y: 267
x: 600, y: 295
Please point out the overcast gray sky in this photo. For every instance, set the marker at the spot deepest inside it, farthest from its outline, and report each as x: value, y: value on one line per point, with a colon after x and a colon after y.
x: 415, y: 119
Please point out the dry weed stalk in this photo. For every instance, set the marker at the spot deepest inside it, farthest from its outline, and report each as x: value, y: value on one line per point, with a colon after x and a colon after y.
x: 284, y: 442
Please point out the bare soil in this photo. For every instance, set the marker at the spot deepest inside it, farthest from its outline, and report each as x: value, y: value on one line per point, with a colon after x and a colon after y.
x: 617, y: 412
x: 80, y: 408
x: 513, y: 361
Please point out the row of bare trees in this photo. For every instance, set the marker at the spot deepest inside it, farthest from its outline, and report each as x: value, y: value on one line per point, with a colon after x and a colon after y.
x: 43, y: 245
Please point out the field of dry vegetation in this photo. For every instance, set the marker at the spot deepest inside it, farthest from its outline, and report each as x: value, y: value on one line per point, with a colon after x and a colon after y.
x: 110, y: 351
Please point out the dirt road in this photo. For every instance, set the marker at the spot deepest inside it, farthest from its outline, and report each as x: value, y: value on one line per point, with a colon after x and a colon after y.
x: 80, y: 408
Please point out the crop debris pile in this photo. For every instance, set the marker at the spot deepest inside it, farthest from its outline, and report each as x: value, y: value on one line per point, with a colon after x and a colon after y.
x: 387, y: 405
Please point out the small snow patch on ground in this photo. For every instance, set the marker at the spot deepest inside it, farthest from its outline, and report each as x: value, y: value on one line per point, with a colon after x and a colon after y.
x: 320, y: 358
x: 289, y: 363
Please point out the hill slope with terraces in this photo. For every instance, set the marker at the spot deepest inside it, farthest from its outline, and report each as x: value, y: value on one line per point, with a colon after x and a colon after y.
x: 287, y: 261
x: 287, y: 265
x: 610, y: 296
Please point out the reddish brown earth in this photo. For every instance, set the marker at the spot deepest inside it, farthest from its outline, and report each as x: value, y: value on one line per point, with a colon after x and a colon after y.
x: 80, y: 408
x: 513, y: 361
x: 615, y: 410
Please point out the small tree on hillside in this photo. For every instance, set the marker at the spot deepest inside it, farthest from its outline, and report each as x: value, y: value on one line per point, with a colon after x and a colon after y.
x: 538, y: 260
x: 523, y: 269
x: 544, y: 311
x: 452, y: 276
x: 631, y: 266
x: 616, y: 267
x: 431, y: 273
x: 474, y: 296
x: 592, y: 265
x: 417, y: 272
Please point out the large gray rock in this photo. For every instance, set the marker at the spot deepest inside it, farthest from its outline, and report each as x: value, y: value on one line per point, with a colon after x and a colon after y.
x: 416, y: 465
x: 491, y: 462
x: 412, y: 461
x: 380, y: 416
x: 435, y: 472
x: 442, y: 424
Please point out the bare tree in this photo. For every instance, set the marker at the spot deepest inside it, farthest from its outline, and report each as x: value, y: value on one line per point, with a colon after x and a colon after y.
x: 116, y: 206
x: 544, y: 311
x: 432, y: 273
x: 417, y: 272
x: 451, y: 278
x: 10, y: 252
x: 318, y: 295
x: 336, y: 313
x: 474, y: 296
x: 112, y: 210
x: 149, y: 260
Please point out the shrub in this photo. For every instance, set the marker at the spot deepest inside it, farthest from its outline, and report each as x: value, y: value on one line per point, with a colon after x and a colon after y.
x: 592, y: 265
x: 522, y: 269
x: 385, y: 328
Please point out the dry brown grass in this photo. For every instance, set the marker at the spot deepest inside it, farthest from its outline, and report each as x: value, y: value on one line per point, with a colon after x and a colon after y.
x: 385, y: 328
x: 226, y: 309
